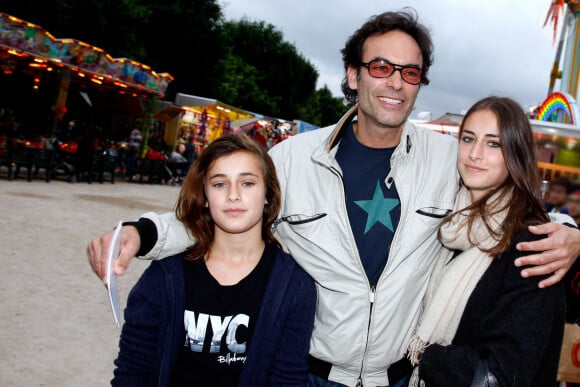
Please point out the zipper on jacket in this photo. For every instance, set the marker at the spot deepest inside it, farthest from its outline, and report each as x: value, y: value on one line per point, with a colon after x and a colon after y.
x: 372, y: 289
x: 371, y: 304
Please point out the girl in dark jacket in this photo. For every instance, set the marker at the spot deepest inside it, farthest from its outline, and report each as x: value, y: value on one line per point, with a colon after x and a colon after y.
x: 478, y: 310
x: 234, y: 309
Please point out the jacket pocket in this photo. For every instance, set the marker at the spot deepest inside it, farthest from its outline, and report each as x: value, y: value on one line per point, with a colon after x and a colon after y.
x: 434, y: 212
x: 421, y: 239
x: 298, y: 219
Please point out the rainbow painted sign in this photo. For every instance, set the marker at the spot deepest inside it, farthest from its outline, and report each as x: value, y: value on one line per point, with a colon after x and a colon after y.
x: 555, y: 104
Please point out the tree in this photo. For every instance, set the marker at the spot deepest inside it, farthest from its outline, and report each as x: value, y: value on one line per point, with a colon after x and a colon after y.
x: 239, y: 86
x: 322, y: 108
x: 184, y: 39
x: 284, y: 75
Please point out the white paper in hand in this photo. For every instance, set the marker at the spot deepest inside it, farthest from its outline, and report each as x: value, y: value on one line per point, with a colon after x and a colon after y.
x: 112, y: 286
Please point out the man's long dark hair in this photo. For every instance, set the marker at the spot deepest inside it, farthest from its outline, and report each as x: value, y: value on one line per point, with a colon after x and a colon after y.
x: 405, y: 21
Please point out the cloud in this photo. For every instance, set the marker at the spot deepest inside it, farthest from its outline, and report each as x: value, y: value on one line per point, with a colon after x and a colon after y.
x: 481, y: 47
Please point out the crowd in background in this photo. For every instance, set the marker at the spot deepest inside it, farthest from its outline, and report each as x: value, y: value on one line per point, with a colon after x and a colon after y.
x: 76, y: 152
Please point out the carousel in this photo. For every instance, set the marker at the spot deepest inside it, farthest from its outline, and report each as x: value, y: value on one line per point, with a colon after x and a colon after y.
x: 36, y: 65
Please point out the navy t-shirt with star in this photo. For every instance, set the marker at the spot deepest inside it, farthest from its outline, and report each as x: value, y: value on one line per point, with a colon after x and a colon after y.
x: 373, y: 209
x: 219, y: 323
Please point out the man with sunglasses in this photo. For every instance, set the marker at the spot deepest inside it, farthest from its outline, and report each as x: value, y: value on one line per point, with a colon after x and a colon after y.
x: 362, y: 202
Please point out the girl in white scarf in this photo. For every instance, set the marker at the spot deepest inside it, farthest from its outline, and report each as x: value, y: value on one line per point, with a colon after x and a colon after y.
x: 499, y: 198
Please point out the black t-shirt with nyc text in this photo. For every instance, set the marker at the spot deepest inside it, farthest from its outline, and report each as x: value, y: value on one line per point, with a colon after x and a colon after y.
x: 218, y: 324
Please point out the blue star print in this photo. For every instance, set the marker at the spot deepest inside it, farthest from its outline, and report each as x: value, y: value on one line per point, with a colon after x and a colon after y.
x: 378, y: 209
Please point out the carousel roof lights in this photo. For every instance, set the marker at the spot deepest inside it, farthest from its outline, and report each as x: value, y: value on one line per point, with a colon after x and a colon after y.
x: 42, y: 50
x: 14, y: 52
x: 223, y: 108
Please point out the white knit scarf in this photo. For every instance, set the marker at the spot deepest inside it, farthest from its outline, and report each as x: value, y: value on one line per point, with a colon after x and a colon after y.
x: 453, y: 280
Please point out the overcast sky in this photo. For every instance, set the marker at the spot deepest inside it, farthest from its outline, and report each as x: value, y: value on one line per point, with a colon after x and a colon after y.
x: 481, y: 47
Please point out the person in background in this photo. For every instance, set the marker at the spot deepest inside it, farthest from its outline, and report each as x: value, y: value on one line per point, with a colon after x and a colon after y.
x: 478, y: 309
x: 157, y: 142
x: 557, y: 195
x: 154, y: 154
x: 87, y: 145
x: 178, y: 164
x: 234, y: 310
x: 132, y: 153
x: 190, y: 153
x: 257, y: 135
x: 573, y: 204
x: 362, y: 203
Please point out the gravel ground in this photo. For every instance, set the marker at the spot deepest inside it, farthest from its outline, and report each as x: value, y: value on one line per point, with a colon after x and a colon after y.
x: 58, y: 328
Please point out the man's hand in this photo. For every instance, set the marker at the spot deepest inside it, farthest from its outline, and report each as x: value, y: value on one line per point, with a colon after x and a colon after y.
x: 557, y: 254
x: 98, y: 249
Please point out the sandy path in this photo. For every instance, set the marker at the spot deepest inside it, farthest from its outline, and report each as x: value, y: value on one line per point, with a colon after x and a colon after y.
x: 57, y: 328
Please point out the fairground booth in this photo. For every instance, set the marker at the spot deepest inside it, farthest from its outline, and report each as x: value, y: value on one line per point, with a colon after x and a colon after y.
x: 202, y: 120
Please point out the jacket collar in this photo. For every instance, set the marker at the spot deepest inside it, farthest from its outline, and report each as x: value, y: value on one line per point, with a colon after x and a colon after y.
x: 403, y: 148
x: 341, y: 126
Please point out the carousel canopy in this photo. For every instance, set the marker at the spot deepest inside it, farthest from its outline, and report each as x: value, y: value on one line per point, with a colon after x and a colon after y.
x: 26, y: 45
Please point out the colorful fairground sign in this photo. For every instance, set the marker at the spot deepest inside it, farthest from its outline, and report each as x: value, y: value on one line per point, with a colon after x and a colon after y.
x: 559, y: 107
x: 29, y: 41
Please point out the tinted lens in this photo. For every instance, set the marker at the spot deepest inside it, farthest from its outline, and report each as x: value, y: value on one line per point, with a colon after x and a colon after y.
x: 411, y: 75
x: 382, y: 69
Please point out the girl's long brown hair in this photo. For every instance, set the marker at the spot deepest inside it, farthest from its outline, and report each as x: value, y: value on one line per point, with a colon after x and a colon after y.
x: 521, y: 190
x: 191, y: 209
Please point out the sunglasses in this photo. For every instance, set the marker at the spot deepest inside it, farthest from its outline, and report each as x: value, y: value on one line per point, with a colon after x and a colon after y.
x: 382, y: 68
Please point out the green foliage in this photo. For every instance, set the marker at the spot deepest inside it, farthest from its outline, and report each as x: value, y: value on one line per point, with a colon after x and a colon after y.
x: 239, y: 86
x: 183, y: 38
x: 285, y: 75
x: 322, y: 108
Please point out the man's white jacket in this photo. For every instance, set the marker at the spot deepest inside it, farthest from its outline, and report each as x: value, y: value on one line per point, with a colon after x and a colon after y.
x: 359, y: 329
